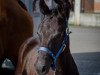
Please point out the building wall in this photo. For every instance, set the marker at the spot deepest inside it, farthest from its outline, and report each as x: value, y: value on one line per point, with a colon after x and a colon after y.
x: 97, y: 6
x: 90, y: 6
x: 86, y: 19
x: 87, y: 5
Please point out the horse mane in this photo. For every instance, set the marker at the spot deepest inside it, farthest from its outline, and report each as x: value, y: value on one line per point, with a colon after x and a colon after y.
x: 22, y: 5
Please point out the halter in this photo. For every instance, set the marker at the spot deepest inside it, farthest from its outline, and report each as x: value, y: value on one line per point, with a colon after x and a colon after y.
x: 62, y: 47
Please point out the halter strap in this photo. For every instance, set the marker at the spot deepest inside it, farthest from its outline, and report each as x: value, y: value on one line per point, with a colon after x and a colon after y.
x: 54, y: 57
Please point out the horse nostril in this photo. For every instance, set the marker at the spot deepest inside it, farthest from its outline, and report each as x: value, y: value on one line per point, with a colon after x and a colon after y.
x: 44, y: 69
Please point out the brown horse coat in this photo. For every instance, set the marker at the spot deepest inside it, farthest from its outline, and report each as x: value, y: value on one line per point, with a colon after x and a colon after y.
x: 15, y: 26
x: 27, y: 58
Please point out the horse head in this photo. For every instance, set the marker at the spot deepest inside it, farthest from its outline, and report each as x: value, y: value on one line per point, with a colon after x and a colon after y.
x: 53, y: 36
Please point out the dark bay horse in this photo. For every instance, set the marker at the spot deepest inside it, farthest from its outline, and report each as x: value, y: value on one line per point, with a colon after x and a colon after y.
x: 16, y: 26
x: 49, y: 53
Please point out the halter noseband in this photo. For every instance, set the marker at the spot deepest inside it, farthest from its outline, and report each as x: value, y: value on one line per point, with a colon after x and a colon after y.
x: 54, y: 57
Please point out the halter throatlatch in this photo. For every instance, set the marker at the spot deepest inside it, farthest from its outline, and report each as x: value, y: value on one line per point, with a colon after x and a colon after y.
x: 54, y: 57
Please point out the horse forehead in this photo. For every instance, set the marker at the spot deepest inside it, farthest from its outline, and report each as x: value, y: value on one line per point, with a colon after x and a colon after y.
x: 50, y: 24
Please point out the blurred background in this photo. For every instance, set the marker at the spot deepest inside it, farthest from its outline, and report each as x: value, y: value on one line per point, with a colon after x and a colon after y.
x: 84, y: 23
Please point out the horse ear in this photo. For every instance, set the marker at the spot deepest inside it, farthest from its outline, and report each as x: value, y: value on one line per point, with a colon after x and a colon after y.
x: 44, y: 8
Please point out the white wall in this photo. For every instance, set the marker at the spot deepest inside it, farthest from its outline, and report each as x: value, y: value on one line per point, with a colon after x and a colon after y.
x: 87, y: 19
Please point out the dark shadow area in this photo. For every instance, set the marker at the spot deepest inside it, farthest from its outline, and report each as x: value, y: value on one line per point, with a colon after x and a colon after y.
x: 88, y: 63
x: 5, y: 71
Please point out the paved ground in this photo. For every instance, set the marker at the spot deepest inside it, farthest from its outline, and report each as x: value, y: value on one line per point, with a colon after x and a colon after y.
x: 85, y: 46
x: 85, y: 39
x: 88, y: 63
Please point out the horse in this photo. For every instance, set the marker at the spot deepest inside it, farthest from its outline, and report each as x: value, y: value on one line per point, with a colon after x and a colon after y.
x: 16, y: 26
x: 48, y: 53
